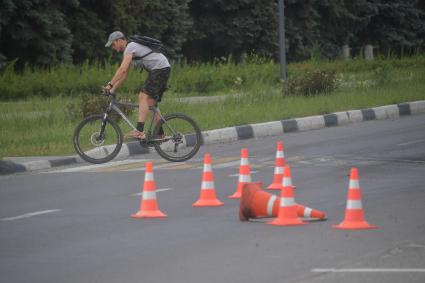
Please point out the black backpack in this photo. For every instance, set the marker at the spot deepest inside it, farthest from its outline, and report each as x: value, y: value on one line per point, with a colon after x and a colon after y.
x: 154, y: 44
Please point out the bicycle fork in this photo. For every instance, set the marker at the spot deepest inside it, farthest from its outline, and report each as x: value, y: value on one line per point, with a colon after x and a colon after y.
x: 102, y: 128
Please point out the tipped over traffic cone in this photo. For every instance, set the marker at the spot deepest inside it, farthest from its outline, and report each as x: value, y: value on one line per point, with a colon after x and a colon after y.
x: 307, y: 212
x: 278, y: 169
x: 256, y: 203
x: 207, y: 196
x: 287, y: 215
x: 244, y: 174
x: 148, y: 204
x: 354, y: 214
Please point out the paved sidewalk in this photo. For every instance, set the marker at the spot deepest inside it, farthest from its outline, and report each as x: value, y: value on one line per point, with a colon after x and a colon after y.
x: 24, y: 164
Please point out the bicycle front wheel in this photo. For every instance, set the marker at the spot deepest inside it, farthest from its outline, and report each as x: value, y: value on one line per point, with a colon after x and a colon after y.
x: 97, y: 140
x: 181, y: 140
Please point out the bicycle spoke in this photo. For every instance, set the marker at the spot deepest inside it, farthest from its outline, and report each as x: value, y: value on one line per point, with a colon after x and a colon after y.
x: 95, y: 145
x: 182, y: 138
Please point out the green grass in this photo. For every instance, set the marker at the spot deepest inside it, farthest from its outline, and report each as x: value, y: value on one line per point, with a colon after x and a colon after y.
x: 36, y: 126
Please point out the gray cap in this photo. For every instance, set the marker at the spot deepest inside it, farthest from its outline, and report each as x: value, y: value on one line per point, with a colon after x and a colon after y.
x: 114, y: 36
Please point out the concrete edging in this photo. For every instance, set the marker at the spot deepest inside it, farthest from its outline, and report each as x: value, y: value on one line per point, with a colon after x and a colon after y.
x: 313, y: 122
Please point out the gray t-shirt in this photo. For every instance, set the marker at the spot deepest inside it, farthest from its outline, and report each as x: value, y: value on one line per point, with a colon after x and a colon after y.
x: 151, y: 62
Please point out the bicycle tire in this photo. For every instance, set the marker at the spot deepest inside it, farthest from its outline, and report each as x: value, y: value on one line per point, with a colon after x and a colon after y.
x: 86, y: 135
x: 187, y: 138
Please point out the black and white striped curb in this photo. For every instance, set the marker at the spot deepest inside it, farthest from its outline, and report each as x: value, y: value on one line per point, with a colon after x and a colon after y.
x: 312, y: 122
x: 243, y: 132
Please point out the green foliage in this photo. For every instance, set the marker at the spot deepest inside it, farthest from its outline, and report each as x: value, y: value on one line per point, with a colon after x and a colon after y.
x: 36, y: 32
x: 235, y: 27
x: 89, y: 33
x: 221, y: 76
x: 89, y: 104
x: 311, y: 83
x: 167, y: 20
x: 48, y: 32
x: 64, y: 79
x: 186, y: 79
x: 394, y: 26
x: 337, y: 23
x: 382, y: 75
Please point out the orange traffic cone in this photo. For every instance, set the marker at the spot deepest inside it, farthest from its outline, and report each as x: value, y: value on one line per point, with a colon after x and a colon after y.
x: 354, y: 214
x: 287, y: 215
x: 278, y: 169
x: 287, y: 178
x: 149, y: 205
x: 307, y: 212
x: 244, y: 174
x: 256, y: 203
x: 207, y: 196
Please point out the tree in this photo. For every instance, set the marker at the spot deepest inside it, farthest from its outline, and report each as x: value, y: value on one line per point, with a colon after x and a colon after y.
x: 36, y: 32
x: 232, y: 27
x: 395, y: 26
x: 338, y: 23
x: 6, y: 9
x: 45, y: 32
x: 167, y: 20
x: 301, y: 27
x: 89, y: 28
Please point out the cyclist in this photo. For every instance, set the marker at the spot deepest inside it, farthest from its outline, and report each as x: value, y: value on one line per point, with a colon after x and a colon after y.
x: 158, y: 69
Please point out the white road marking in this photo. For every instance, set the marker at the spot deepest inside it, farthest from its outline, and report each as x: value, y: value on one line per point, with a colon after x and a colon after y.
x: 93, y: 167
x: 266, y: 159
x: 227, y: 164
x: 28, y: 215
x: 158, y: 190
x: 382, y: 270
x: 237, y: 175
x: 158, y: 166
x: 411, y: 142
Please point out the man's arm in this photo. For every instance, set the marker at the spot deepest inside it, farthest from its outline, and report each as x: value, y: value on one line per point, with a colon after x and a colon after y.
x: 122, y: 72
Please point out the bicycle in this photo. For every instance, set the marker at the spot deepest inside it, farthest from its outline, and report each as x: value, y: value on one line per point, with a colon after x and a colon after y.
x: 98, y: 138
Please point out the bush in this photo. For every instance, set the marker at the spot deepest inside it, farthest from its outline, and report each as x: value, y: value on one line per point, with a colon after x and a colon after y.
x: 382, y: 75
x: 312, y: 83
x: 93, y: 104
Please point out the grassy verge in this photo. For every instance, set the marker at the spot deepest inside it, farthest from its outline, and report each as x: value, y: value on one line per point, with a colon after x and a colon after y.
x: 268, y: 104
x: 42, y: 126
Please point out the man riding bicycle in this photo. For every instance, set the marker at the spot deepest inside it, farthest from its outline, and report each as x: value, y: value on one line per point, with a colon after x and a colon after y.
x: 142, y: 57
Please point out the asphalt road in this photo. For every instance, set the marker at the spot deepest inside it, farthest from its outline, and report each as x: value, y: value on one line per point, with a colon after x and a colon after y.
x: 74, y: 224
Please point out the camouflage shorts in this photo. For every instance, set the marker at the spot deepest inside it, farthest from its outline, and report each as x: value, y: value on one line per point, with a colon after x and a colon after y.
x: 156, y: 83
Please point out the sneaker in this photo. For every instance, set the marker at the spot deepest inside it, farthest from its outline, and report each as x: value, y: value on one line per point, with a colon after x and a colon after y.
x: 135, y: 134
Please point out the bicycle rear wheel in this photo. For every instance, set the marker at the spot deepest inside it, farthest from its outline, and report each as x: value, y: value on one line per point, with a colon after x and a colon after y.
x: 181, y: 140
x: 97, y: 141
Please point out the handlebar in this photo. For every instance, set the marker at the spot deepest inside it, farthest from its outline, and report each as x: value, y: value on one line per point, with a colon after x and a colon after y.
x: 108, y: 93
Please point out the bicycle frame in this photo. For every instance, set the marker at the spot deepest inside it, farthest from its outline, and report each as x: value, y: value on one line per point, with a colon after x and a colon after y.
x: 114, y: 106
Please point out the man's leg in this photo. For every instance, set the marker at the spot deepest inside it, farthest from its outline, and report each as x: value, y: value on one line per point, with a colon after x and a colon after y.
x: 145, y: 101
x: 155, y: 84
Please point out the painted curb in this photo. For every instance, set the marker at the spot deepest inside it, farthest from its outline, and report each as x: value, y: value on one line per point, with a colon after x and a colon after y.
x: 314, y: 122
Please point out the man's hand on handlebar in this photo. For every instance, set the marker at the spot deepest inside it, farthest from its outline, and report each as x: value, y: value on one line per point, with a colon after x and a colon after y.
x: 106, y: 89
